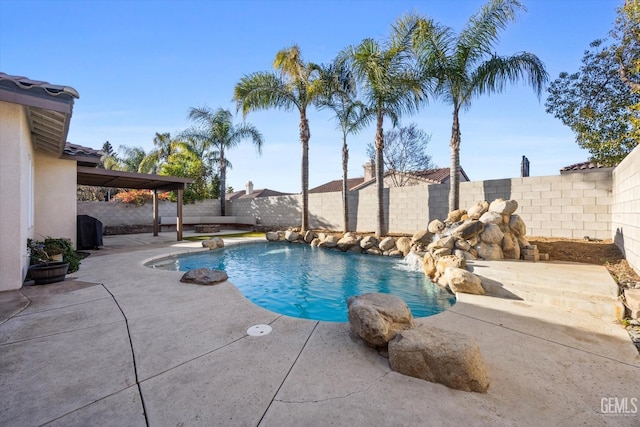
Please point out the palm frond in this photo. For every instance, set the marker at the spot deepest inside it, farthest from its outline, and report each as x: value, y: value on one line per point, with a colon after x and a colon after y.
x: 481, y: 32
x: 493, y: 75
x: 260, y: 91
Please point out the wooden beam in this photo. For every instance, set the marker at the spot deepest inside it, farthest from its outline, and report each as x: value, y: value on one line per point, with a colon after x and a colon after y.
x: 179, y: 214
x: 155, y: 213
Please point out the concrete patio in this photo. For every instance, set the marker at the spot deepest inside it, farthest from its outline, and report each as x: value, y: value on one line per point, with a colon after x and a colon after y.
x: 121, y: 344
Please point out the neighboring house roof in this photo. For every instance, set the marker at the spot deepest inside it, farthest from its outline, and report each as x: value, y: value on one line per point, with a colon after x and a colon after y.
x: 49, y: 108
x: 265, y: 192
x: 583, y: 167
x: 431, y: 176
x: 85, y: 156
x: 336, y: 185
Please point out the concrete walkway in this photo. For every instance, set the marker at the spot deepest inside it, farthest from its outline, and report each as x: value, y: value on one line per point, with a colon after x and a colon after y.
x: 124, y: 345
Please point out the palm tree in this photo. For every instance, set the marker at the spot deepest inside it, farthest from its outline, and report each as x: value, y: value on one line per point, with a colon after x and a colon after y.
x: 466, y: 67
x: 164, y: 146
x: 216, y: 131
x: 294, y: 85
x: 339, y: 96
x: 130, y: 158
x: 391, y: 86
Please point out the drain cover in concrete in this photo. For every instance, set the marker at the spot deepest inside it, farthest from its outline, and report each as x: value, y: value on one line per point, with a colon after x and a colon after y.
x: 258, y: 330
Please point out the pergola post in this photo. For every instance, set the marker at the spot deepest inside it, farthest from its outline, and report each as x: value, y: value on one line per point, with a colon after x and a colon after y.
x: 179, y: 213
x: 156, y: 227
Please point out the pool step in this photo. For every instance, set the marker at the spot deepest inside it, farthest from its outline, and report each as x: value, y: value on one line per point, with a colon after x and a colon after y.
x: 584, y: 287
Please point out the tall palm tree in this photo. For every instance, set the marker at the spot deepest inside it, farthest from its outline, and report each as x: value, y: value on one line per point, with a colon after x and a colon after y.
x: 295, y: 84
x: 340, y: 96
x: 466, y: 67
x: 216, y: 131
x: 390, y: 87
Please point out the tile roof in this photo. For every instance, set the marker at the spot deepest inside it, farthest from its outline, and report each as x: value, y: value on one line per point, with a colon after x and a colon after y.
x: 433, y: 176
x: 48, y: 107
x: 336, y: 185
x: 265, y: 192
x: 85, y: 156
x: 584, y: 166
x: 48, y: 88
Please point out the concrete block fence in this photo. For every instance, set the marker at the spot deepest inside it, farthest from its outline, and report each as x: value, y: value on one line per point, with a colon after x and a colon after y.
x: 625, y: 208
x: 601, y: 204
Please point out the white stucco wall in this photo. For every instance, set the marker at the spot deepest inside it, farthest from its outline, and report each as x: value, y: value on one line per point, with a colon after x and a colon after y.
x: 55, y: 197
x: 15, y: 171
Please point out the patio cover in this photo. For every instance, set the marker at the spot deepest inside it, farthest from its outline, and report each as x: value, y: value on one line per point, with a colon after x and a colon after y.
x: 138, y: 181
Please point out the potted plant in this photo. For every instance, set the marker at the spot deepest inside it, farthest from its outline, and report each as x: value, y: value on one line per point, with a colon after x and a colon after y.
x: 51, y: 259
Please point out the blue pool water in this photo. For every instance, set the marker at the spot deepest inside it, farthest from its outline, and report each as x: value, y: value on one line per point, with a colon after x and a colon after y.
x: 314, y: 283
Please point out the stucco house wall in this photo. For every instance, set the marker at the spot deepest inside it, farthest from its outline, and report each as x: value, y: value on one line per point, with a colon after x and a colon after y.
x: 37, y: 190
x: 55, y: 197
x: 16, y: 209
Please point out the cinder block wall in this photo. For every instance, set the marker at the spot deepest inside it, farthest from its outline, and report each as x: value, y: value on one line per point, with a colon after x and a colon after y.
x: 625, y: 208
x: 573, y: 205
x: 117, y: 213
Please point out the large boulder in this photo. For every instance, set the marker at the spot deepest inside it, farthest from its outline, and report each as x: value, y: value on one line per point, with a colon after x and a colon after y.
x: 491, y: 218
x: 368, y: 242
x: 387, y: 244
x: 429, y: 265
x: 377, y: 318
x: 404, y: 245
x: 449, y: 261
x: 503, y: 207
x: 476, y: 211
x: 422, y: 237
x: 436, y: 226
x: 489, y: 251
x: 309, y: 235
x: 439, y: 356
x: 510, y: 246
x: 461, y: 280
x: 273, y: 236
x: 330, y: 241
x: 469, y: 229
x: 347, y: 242
x: 204, y: 276
x: 517, y: 226
x: 445, y: 242
x: 492, y: 234
x: 455, y: 216
x: 213, y: 243
x: 291, y: 235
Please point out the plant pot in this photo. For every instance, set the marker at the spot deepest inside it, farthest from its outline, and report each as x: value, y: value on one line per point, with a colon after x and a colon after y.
x: 48, y: 273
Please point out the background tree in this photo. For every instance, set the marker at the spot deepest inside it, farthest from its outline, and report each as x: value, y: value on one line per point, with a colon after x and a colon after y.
x: 293, y: 86
x: 215, y: 130
x: 130, y: 158
x: 390, y: 88
x: 627, y: 33
x: 465, y: 67
x: 163, y: 145
x: 595, y: 103
x: 339, y: 95
x: 405, y: 150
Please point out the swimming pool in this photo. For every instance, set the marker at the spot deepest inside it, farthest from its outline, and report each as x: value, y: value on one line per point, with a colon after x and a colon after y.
x: 314, y: 283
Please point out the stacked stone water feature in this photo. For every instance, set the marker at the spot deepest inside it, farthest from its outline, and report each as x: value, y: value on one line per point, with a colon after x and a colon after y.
x: 487, y: 231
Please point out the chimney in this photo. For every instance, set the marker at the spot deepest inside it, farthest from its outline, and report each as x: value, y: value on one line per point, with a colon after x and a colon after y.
x: 249, y: 188
x: 369, y: 170
x: 524, y: 167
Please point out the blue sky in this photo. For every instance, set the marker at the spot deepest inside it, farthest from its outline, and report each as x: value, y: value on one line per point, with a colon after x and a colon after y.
x: 140, y: 65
